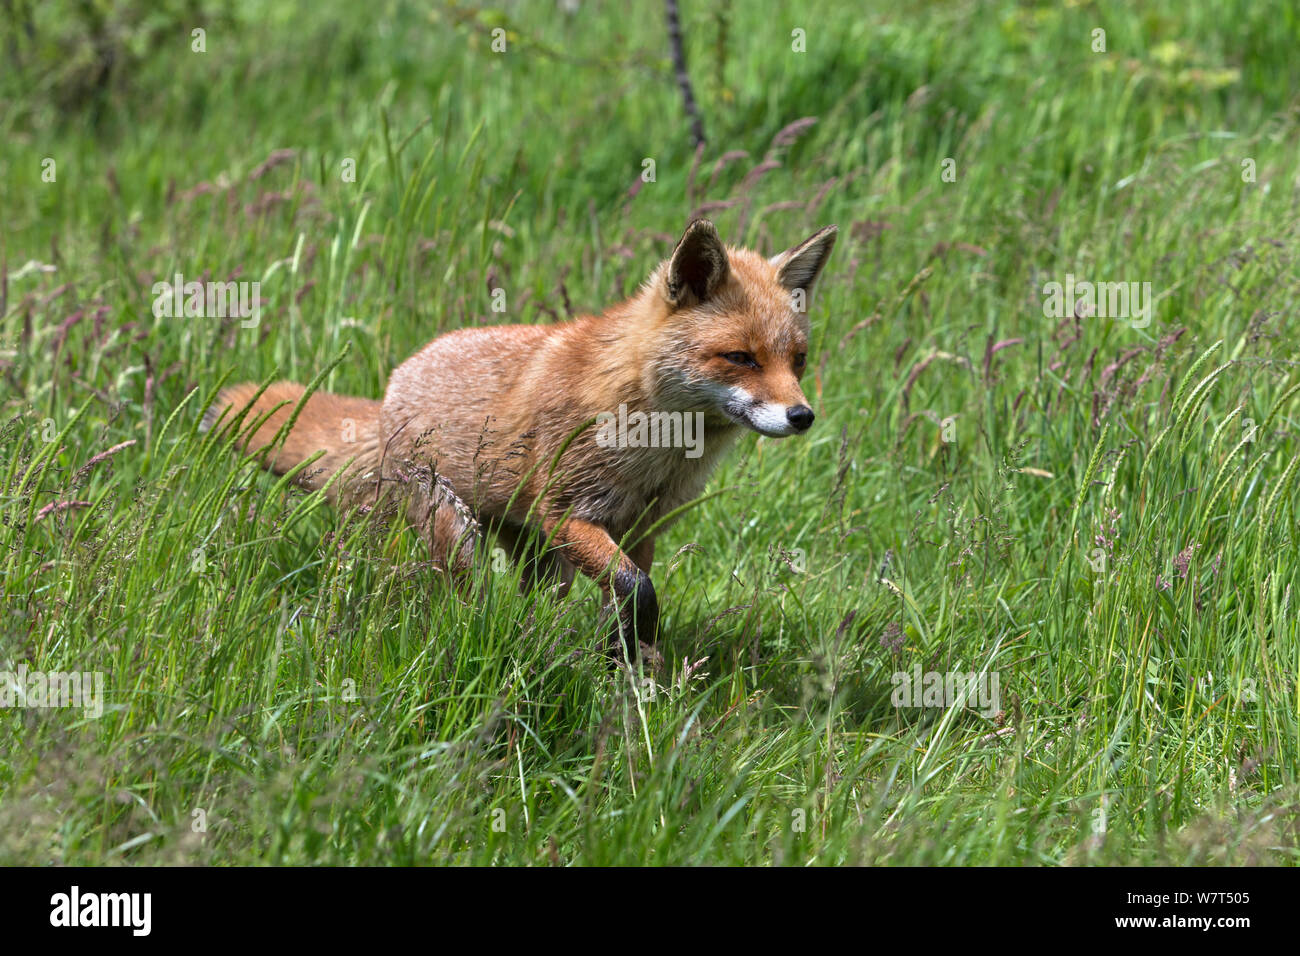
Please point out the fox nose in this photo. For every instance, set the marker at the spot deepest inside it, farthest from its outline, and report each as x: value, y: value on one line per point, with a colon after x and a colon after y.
x: 800, y: 416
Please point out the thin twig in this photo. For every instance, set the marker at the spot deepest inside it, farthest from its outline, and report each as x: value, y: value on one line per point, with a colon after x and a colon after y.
x: 683, y: 78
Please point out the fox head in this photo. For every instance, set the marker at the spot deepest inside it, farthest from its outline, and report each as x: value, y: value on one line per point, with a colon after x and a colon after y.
x: 736, y: 324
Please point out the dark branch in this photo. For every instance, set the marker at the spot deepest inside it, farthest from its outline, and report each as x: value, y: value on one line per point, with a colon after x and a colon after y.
x: 683, y: 78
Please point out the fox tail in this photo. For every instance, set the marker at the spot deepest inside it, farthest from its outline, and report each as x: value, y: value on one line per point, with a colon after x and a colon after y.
x: 345, y: 428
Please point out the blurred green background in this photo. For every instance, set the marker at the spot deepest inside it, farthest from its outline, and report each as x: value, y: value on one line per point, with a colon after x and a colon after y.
x: 315, y: 696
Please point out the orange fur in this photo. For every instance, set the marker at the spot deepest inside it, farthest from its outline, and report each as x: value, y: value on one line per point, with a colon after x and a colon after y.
x: 475, y: 420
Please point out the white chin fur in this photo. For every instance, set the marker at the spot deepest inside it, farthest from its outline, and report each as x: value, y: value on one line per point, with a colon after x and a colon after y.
x: 766, y: 418
x: 769, y: 419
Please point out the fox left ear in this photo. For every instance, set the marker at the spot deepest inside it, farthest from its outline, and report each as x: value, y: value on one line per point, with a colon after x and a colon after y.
x: 698, y: 266
x: 799, y: 267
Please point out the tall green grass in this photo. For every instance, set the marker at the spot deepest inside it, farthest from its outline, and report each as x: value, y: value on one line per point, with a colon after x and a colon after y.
x: 1111, y: 530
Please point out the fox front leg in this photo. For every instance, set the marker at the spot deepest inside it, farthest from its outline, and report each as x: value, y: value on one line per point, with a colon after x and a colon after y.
x: 629, y: 592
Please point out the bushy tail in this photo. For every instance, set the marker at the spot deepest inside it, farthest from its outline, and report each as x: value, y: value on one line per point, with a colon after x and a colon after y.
x: 345, y: 428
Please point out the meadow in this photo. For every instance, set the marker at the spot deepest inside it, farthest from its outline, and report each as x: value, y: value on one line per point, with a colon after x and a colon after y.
x: 1097, y: 512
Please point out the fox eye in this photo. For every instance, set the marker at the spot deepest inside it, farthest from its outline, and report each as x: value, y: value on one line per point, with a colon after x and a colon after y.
x: 800, y: 360
x: 740, y: 358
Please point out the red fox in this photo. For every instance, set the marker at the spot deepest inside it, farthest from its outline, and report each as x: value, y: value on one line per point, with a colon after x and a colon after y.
x: 493, y: 427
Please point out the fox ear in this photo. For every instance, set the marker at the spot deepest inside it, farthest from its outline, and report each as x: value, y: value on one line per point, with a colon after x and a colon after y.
x: 698, y: 266
x: 799, y: 267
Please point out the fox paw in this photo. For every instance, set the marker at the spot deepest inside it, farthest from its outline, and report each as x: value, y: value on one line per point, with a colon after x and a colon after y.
x: 632, y: 617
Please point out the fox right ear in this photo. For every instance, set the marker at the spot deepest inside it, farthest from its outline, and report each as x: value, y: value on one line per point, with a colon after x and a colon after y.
x: 698, y: 266
x: 798, y: 268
